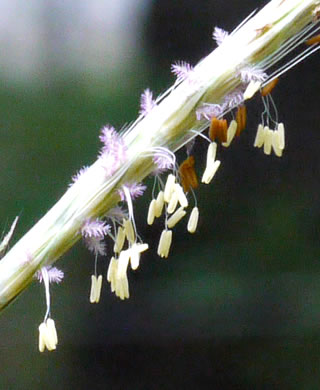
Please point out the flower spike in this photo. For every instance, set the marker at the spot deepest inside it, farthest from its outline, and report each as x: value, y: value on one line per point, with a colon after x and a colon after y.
x: 233, y: 72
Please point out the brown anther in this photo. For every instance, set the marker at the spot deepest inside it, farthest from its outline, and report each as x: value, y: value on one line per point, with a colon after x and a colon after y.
x: 316, y: 13
x: 241, y: 119
x: 314, y: 40
x: 218, y: 129
x: 188, y: 174
x: 269, y: 87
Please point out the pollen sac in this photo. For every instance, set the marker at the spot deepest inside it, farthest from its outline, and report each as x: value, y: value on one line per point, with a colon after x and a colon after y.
x: 188, y: 174
x: 259, y: 140
x: 135, y: 252
x: 231, y: 132
x: 218, y: 129
x: 121, y: 236
x: 193, y: 220
x: 280, y: 130
x: 93, y: 289
x: 210, y: 171
x: 117, y: 275
x: 173, y: 202
x: 266, y: 90
x: 182, y: 199
x: 278, y: 142
x: 241, y: 119
x: 169, y: 187
x: 251, y: 89
x: 267, y: 140
x: 212, y: 164
x: 123, y: 262
x: 176, y: 217
x: 52, y: 331
x: 270, y: 139
x: 47, y: 335
x: 275, y: 144
x: 42, y: 330
x: 151, y: 212
x: 159, y: 204
x: 129, y: 230
x: 112, y: 272
x: 165, y: 243
x: 96, y: 284
x: 211, y: 153
x: 122, y: 288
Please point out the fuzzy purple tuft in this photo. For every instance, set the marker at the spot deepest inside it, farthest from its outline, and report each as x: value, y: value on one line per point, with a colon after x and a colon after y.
x: 96, y: 245
x: 135, y: 189
x: 95, y: 228
x: 208, y: 111
x: 234, y: 99
x: 117, y: 213
x: 182, y: 70
x: 93, y: 233
x: 219, y: 35
x: 147, y: 103
x: 55, y: 275
x: 250, y: 73
x: 114, y: 151
x: 164, y: 160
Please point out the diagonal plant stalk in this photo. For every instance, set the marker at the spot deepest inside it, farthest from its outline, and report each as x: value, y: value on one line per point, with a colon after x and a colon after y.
x: 258, y: 44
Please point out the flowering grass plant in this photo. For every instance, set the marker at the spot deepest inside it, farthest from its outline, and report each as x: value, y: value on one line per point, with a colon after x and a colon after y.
x: 98, y: 204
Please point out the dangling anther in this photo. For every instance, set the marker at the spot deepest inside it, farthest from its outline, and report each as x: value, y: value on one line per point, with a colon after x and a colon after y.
x: 267, y: 140
x: 176, y: 217
x: 173, y: 202
x: 193, y: 220
x: 278, y: 142
x: 241, y: 119
x: 129, y: 230
x: 259, y: 140
x: 251, y: 89
x: 182, y: 199
x: 165, y: 243
x: 47, y: 335
x: 212, y: 164
x: 112, y: 273
x: 210, y: 171
x: 211, y: 153
x: 188, y: 174
x: 313, y: 41
x: 151, y: 212
x: 159, y: 204
x: 218, y: 129
x: 121, y: 236
x: 280, y: 130
x: 232, y: 129
x: 168, y: 189
x: 266, y: 90
x: 96, y: 283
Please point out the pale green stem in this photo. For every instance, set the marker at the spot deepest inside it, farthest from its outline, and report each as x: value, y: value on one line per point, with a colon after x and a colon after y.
x: 167, y: 125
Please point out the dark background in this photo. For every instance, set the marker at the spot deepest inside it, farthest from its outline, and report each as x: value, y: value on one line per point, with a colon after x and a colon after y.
x: 235, y: 306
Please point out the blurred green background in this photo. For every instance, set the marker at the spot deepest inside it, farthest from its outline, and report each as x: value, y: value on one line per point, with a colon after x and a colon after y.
x: 235, y: 306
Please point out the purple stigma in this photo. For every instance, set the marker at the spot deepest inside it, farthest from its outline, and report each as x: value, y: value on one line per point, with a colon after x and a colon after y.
x: 135, y: 189
x: 146, y: 103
